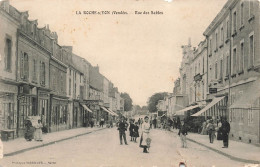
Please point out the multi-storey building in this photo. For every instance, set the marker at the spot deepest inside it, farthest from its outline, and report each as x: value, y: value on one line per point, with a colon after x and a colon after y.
x: 9, y: 18
x: 233, y: 68
x: 59, y: 99
x: 33, y: 63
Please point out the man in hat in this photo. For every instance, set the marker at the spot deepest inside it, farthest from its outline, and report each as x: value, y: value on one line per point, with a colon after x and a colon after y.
x: 225, y: 129
x: 183, y: 131
x: 122, y: 127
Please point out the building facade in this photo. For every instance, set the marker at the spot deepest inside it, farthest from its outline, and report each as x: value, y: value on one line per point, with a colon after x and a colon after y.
x: 9, y: 18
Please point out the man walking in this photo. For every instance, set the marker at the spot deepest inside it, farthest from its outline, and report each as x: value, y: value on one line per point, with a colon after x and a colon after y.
x: 122, y: 127
x: 183, y: 131
x: 225, y: 129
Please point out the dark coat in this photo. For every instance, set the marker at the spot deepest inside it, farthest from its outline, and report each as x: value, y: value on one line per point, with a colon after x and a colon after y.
x: 122, y: 126
x: 183, y: 130
x: 131, y: 129
x: 136, y: 132
x: 225, y: 128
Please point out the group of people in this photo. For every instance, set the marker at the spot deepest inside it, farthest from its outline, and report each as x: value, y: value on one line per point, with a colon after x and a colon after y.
x: 219, y: 126
x: 145, y: 139
x: 33, y: 132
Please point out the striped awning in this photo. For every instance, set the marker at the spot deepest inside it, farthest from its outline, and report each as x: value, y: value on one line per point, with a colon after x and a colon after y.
x: 214, y: 102
x: 182, y: 112
x: 86, y: 108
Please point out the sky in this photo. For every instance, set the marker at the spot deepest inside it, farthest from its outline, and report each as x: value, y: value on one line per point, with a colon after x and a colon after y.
x: 140, y: 53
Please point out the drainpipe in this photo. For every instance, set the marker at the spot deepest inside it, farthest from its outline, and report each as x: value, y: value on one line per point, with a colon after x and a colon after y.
x: 229, y: 64
x: 16, y: 73
x: 207, y: 77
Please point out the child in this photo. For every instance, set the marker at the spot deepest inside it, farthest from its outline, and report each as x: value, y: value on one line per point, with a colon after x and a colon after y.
x: 136, y: 133
x: 131, y: 130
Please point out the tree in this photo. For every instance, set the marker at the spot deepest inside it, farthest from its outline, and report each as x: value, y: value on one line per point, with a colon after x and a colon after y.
x: 137, y: 107
x: 128, y: 103
x: 153, y: 101
x: 144, y: 108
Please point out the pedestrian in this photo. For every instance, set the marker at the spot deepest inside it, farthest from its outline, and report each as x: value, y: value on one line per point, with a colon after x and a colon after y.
x: 29, y: 130
x: 136, y: 131
x: 145, y: 141
x: 131, y: 130
x: 211, y: 130
x: 204, y: 128
x: 183, y: 131
x: 141, y: 122
x: 154, y: 123
x: 225, y: 129
x: 38, y: 131
x: 102, y: 122
x: 92, y: 122
x: 151, y: 123
x: 219, y: 130
x: 122, y: 127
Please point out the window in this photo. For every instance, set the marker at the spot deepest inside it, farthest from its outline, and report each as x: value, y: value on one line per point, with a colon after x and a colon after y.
x: 227, y: 29
x: 216, y: 41
x: 221, y: 69
x: 216, y: 70
x: 234, y: 60
x: 251, y: 4
x: 24, y: 66
x: 234, y: 22
x: 43, y: 73
x: 34, y: 70
x: 227, y: 65
x: 222, y: 35
x: 69, y: 86
x: 251, y: 51
x: 241, y: 61
x: 210, y: 47
x: 8, y: 54
x: 203, y: 65
x: 250, y: 116
x: 242, y: 14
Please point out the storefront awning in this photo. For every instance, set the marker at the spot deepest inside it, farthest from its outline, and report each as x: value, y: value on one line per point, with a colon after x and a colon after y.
x: 249, y: 97
x: 86, y: 108
x: 113, y: 113
x: 214, y: 101
x: 107, y: 110
x: 182, y: 112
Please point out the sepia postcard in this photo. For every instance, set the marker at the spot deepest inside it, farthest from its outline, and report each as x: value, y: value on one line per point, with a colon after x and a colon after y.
x: 130, y: 83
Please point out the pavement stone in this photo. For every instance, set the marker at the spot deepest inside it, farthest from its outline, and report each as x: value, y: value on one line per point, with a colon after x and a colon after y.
x: 238, y: 151
x: 20, y: 145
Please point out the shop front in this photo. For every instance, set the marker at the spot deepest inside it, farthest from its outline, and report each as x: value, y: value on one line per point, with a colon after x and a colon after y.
x: 8, y: 106
x: 27, y: 106
x: 87, y: 115
x: 59, y: 114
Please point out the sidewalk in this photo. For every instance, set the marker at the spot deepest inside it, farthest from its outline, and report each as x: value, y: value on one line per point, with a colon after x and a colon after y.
x: 19, y: 145
x: 237, y: 151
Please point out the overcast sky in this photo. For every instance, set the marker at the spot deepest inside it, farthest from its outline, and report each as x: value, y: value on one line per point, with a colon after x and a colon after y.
x: 140, y: 54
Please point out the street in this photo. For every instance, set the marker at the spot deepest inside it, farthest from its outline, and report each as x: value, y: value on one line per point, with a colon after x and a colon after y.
x: 102, y: 148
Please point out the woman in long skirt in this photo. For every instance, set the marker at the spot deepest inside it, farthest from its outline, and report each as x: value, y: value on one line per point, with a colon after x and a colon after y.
x: 136, y: 132
x: 145, y: 138
x: 29, y: 130
x: 38, y: 131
